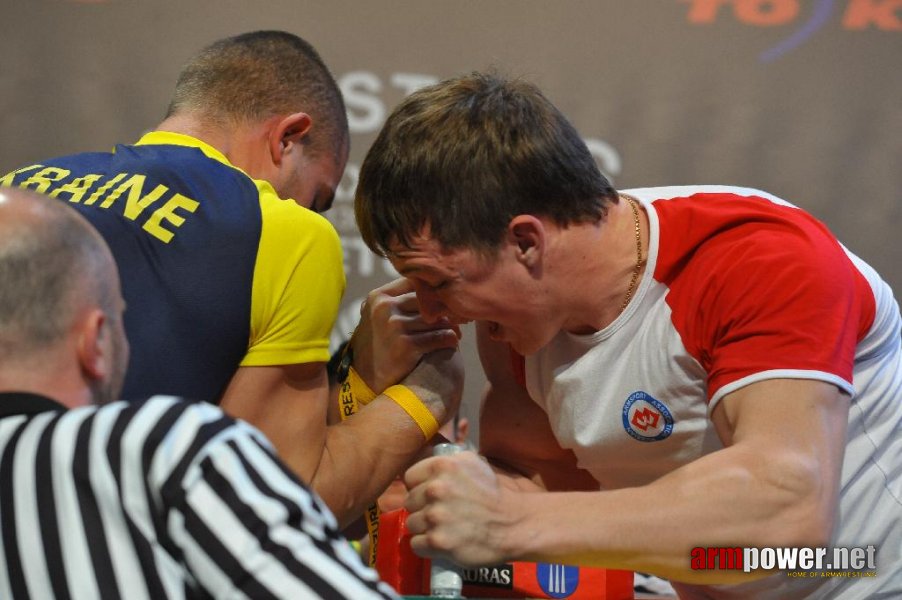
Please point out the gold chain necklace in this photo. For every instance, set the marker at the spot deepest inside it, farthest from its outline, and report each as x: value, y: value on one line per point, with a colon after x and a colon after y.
x: 638, y: 267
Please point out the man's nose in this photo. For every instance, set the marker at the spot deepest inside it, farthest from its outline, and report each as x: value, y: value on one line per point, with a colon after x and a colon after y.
x: 431, y: 306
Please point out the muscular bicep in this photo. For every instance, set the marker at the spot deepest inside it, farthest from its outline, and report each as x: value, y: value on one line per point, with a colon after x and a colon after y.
x: 770, y: 411
x: 514, y: 431
x: 288, y: 403
x: 794, y: 432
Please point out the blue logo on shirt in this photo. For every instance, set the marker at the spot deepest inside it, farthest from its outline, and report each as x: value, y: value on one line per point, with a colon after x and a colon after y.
x: 558, y: 581
x: 646, y: 419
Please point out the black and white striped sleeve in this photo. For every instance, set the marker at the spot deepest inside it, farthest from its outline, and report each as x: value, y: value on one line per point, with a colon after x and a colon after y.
x: 244, y: 524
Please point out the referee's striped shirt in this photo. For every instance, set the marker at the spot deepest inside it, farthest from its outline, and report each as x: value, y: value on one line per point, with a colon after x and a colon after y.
x: 159, y: 499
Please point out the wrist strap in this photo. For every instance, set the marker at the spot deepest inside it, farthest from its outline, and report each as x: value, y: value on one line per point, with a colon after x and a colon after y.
x: 414, y: 407
x: 362, y: 392
x: 353, y: 393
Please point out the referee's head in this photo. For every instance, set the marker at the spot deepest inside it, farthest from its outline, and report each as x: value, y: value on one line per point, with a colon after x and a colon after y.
x: 61, y: 307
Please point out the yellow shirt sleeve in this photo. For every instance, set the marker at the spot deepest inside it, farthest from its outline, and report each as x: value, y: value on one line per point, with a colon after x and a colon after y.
x: 298, y: 284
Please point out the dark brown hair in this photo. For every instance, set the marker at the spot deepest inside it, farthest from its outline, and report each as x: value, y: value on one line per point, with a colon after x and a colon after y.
x: 465, y: 156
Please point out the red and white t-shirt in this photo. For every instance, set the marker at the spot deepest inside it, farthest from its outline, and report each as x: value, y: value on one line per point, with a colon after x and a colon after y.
x: 740, y: 286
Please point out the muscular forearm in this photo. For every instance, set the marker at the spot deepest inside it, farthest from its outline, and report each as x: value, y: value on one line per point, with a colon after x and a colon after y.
x: 724, y: 499
x: 348, y: 463
x: 362, y: 455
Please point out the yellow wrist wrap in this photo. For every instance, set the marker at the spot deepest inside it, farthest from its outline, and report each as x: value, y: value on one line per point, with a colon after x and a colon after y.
x: 414, y: 407
x: 353, y: 394
x: 362, y: 392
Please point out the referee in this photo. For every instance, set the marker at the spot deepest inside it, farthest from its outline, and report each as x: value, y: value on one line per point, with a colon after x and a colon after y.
x: 160, y: 499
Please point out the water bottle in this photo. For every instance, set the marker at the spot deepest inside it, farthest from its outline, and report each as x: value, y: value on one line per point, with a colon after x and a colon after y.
x: 445, y: 580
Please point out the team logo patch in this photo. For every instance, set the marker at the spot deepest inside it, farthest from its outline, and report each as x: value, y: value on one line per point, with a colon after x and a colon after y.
x: 558, y: 581
x: 646, y: 419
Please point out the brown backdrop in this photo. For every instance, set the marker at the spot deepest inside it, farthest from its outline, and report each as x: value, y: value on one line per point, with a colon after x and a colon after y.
x: 802, y: 98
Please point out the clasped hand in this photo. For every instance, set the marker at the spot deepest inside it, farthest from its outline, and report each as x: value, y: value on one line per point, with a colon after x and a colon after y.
x: 459, y: 509
x: 393, y: 336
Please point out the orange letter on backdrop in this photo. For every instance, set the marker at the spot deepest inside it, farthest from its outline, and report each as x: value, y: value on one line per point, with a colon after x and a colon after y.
x: 750, y: 12
x: 882, y: 14
x: 767, y: 12
x: 704, y: 11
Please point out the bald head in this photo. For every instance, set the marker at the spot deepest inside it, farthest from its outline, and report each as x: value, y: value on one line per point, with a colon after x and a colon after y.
x: 55, y: 269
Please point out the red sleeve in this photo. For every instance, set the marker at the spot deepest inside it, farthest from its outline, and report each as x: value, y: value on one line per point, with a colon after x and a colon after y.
x: 773, y: 294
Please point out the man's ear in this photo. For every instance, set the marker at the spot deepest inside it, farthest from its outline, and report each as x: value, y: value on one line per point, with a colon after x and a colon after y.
x: 287, y: 133
x: 93, y: 356
x: 527, y: 233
